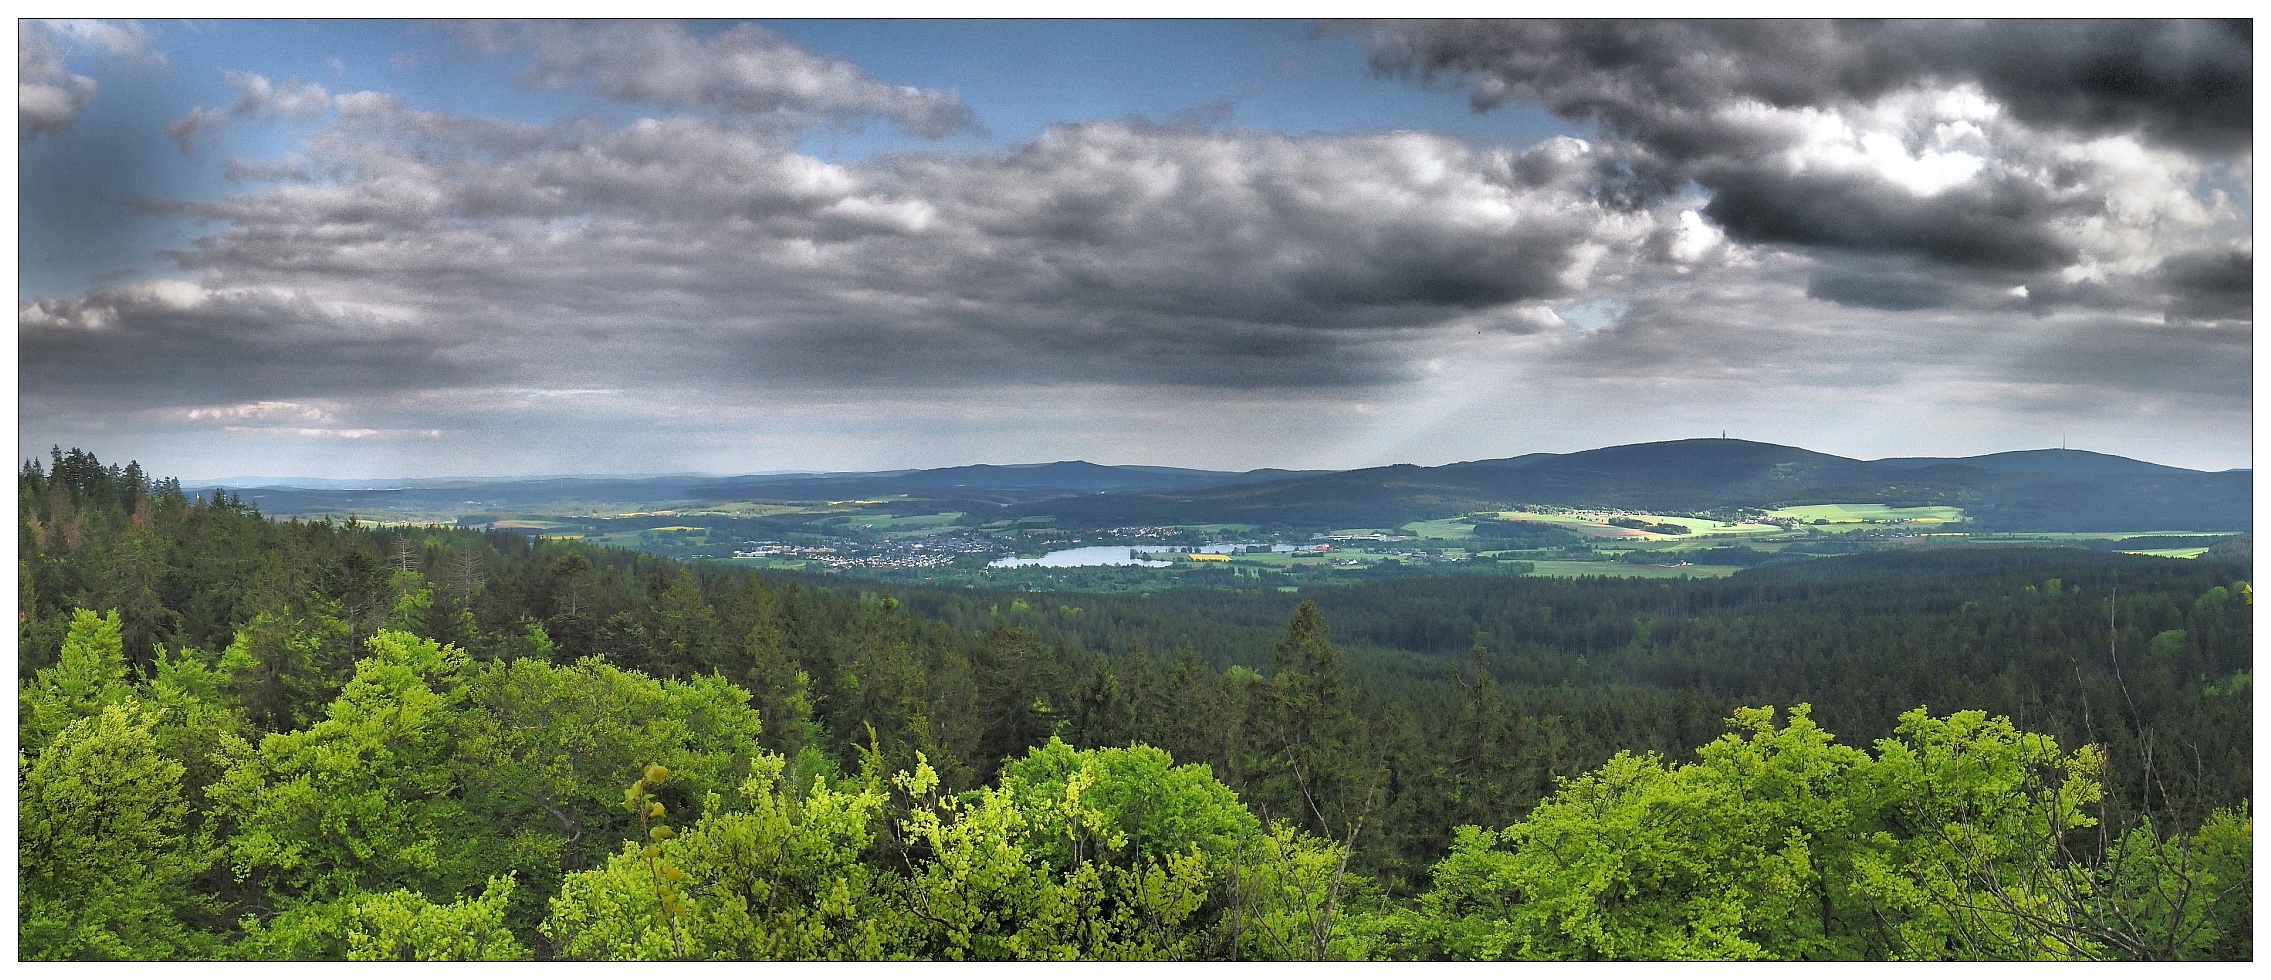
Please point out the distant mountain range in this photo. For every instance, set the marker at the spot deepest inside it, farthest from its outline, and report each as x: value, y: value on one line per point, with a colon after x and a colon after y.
x: 2043, y: 490
x: 981, y: 484
x: 2037, y: 490
x: 988, y: 483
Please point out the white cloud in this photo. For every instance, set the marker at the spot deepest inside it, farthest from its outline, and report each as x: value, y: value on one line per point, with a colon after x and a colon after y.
x: 303, y: 432
x: 1696, y: 239
x: 266, y: 411
x: 745, y: 71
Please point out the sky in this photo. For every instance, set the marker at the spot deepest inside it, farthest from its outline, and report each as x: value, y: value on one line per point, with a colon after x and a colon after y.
x: 356, y: 249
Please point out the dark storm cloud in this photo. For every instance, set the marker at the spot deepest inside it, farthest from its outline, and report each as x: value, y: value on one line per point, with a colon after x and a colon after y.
x: 2184, y: 83
x: 1387, y: 230
x: 1902, y: 284
x: 172, y: 343
x: 1100, y: 252
x: 2188, y: 84
x: 1997, y: 224
x: 1878, y: 289
x: 2164, y: 364
x: 2015, y: 146
x: 2211, y: 284
x: 1109, y: 251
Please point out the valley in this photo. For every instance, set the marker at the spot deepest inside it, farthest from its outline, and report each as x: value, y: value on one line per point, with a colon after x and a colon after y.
x: 1701, y: 508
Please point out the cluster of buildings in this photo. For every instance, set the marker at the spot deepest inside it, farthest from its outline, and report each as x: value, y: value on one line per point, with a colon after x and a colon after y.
x: 775, y: 549
x: 923, y: 553
x: 1146, y: 531
x: 903, y: 560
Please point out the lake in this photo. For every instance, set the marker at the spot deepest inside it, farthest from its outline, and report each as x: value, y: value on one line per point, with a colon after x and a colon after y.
x: 1116, y: 554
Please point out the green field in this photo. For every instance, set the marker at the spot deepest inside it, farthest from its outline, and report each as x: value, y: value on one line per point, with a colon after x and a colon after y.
x: 900, y: 525
x: 772, y: 563
x: 1702, y: 527
x: 1446, y: 529
x: 2027, y: 536
x: 1219, y: 528
x: 1251, y: 558
x: 1870, y: 513
x: 754, y: 510
x: 1596, y: 524
x: 1559, y: 517
x: 1281, y: 559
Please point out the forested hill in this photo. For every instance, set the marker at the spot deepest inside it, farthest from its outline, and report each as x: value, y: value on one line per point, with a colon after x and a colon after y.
x: 2048, y: 490
x: 244, y: 738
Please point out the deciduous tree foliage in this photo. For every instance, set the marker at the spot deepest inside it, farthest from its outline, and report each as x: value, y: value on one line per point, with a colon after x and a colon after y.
x: 104, y: 860
x: 786, y: 877
x: 395, y: 925
x: 89, y: 674
x: 1780, y: 844
x: 363, y: 799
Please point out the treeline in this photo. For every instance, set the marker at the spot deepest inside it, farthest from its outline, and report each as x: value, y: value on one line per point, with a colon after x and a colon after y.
x: 426, y: 734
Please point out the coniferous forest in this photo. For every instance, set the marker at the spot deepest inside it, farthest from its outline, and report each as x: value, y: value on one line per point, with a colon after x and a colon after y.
x: 242, y: 738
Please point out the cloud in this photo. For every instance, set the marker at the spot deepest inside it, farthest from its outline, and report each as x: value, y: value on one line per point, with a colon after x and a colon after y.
x: 1101, y: 250
x: 257, y: 99
x: 2076, y: 151
x: 48, y: 97
x: 1802, y: 243
x: 266, y: 411
x: 744, y: 71
x: 2210, y: 284
x: 1878, y: 289
x: 2003, y: 224
x: 2186, y: 84
x: 125, y: 39
x: 1320, y: 233
x: 176, y: 344
x: 324, y: 433
x: 2182, y: 83
x: 1777, y: 337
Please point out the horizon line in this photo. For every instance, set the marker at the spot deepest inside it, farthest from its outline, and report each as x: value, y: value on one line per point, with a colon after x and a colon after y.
x: 270, y: 480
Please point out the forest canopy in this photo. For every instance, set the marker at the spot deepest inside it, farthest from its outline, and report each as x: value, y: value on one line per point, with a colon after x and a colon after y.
x: 250, y: 739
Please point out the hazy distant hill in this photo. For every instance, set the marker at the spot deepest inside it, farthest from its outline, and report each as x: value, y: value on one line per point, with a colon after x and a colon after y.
x: 379, y: 496
x: 982, y: 482
x: 2063, y: 491
x: 978, y: 484
x: 2055, y: 462
x: 2043, y: 490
